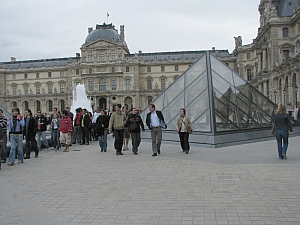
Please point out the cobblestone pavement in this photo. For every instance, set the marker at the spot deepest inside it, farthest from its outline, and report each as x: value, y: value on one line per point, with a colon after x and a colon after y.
x: 244, y: 184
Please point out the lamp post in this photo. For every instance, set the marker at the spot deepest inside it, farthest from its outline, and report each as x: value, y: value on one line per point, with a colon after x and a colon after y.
x: 296, y: 90
x: 275, y: 92
x: 284, y: 92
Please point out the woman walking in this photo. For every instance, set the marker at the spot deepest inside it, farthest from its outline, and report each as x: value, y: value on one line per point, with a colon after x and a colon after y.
x: 282, y: 127
x: 134, y: 123
x: 183, y: 121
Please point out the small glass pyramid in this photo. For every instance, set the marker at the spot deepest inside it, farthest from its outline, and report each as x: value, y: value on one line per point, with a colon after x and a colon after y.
x: 216, y: 99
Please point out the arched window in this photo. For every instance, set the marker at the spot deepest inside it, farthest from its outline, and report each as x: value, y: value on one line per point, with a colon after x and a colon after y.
x: 90, y: 57
x: 61, y: 105
x: 102, y: 85
x: 102, y: 57
x: 49, y: 106
x: 127, y: 69
x: 14, y: 104
x: 37, y: 105
x: 285, y: 32
x: 149, y: 100
x: 25, y: 105
x: 113, y: 56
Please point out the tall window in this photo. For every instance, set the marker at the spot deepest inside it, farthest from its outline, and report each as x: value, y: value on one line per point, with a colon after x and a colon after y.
x: 62, y: 88
x: 50, y: 105
x: 62, y: 105
x: 148, y: 69
x: 248, y: 55
x: 37, y: 75
x: 102, y: 85
x: 113, y: 69
x: 90, y: 71
x: 14, y: 76
x: 26, y: 105
x: 91, y: 85
x: 38, y: 90
x: 49, y: 74
x: 113, y: 84
x: 249, y: 74
x: 149, y: 99
x: 127, y: 69
x: 163, y: 83
x: 61, y: 73
x: 77, y: 71
x: 162, y: 68
x: 286, y: 54
x: 149, y: 83
x: 14, y: 104
x: 90, y: 57
x: 38, y: 105
x: 127, y: 84
x: 113, y: 56
x: 25, y: 76
x: 14, y: 90
x: 25, y: 90
x: 102, y: 57
x: 285, y: 32
x: 50, y: 88
x: 176, y: 67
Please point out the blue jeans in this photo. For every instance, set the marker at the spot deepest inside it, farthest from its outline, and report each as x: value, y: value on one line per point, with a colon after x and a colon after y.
x: 38, y: 136
x: 55, y: 138
x: 282, y: 135
x: 3, y: 152
x: 14, y: 140
x: 103, y: 141
x: 298, y: 120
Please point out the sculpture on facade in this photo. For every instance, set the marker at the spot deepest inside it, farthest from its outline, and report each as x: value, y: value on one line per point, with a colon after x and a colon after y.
x: 238, y: 41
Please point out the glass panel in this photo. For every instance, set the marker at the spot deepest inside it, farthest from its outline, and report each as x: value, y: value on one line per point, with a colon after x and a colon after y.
x: 221, y: 85
x: 174, y: 90
x: 171, y: 111
x: 193, y: 72
x: 221, y: 69
x: 202, y: 123
x: 198, y: 85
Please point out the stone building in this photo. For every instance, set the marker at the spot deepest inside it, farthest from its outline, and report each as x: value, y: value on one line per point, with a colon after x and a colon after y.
x: 271, y: 61
x: 111, y: 74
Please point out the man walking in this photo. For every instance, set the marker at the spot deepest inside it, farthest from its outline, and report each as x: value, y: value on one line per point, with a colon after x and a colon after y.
x: 95, y: 116
x: 85, y: 123
x: 3, y: 125
x: 42, y: 123
x: 117, y: 120
x: 30, y: 131
x: 155, y: 121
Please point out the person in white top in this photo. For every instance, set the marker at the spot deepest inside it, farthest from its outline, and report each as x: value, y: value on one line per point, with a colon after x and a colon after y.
x: 94, y: 120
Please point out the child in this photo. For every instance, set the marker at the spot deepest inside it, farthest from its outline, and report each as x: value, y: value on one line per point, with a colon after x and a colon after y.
x: 65, y: 130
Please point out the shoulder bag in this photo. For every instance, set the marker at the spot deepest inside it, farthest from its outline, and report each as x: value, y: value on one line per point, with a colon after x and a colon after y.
x: 188, y: 128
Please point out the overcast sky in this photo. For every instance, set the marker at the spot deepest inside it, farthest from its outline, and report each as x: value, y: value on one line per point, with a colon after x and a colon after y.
x: 37, y: 29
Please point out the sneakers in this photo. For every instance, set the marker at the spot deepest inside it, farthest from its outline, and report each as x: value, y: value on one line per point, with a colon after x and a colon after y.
x: 284, y: 156
x: 154, y: 154
x: 10, y: 164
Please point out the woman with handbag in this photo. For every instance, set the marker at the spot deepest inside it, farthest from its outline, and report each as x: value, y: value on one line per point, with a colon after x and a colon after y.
x: 134, y: 122
x: 184, y: 129
x: 282, y: 127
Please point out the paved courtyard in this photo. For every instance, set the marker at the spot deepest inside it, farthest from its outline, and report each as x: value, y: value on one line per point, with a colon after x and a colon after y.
x: 244, y: 184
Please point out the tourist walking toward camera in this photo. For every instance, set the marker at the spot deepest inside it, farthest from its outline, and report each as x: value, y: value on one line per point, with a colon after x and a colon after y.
x: 126, y: 132
x: 85, y: 123
x: 184, y: 128
x: 117, y: 121
x: 29, y: 131
x: 65, y: 129
x: 155, y: 122
x: 42, y: 123
x: 15, y: 125
x: 134, y: 123
x: 3, y: 125
x: 297, y: 114
x: 100, y: 127
x: 55, y: 123
x: 282, y: 127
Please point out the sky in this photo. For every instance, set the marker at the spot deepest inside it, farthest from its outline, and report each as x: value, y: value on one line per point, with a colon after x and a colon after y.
x: 35, y: 29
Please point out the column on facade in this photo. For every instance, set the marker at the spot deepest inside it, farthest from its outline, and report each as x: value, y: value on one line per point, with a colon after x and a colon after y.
x: 259, y: 62
x: 264, y: 59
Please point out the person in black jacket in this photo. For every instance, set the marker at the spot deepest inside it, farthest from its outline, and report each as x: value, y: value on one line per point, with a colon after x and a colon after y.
x: 85, y: 123
x: 155, y: 121
x: 29, y: 131
x: 101, y: 126
x: 282, y: 128
x: 42, y: 123
x: 1, y: 142
x: 134, y: 123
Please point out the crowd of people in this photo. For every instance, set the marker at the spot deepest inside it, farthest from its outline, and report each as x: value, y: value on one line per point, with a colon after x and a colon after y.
x: 83, y: 127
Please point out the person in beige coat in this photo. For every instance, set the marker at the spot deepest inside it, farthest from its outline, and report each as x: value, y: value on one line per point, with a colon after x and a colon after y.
x: 182, y: 122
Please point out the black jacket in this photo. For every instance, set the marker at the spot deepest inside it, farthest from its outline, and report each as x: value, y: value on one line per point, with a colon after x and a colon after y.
x: 86, y: 122
x: 43, y: 119
x: 102, y: 119
x: 160, y: 116
x: 32, y: 127
x: 138, y: 120
x: 1, y: 133
x: 283, y: 122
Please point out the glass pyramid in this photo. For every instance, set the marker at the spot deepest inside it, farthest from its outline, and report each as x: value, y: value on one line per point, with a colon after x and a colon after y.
x: 216, y: 98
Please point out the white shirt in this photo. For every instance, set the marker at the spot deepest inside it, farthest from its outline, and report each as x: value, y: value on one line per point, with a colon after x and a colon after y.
x: 96, y: 114
x: 154, y: 120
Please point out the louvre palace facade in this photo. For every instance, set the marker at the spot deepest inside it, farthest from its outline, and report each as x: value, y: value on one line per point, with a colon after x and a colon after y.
x: 112, y: 75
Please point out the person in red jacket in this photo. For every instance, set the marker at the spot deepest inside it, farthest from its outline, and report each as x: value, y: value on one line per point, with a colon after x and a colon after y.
x: 65, y: 130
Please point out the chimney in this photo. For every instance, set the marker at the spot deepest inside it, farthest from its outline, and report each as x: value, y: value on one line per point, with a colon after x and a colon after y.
x: 13, y: 59
x: 213, y: 48
x: 90, y: 29
x: 122, y: 35
x: 77, y: 55
x: 140, y: 51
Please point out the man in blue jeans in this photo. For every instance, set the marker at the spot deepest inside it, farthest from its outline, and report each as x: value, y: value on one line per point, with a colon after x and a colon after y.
x: 15, y: 128
x: 42, y: 123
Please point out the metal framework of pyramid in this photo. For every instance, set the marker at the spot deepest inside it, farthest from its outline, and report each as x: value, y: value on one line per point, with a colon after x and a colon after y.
x: 223, y: 107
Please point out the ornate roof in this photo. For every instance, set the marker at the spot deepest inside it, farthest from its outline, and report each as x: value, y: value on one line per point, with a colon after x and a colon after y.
x: 105, y: 32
